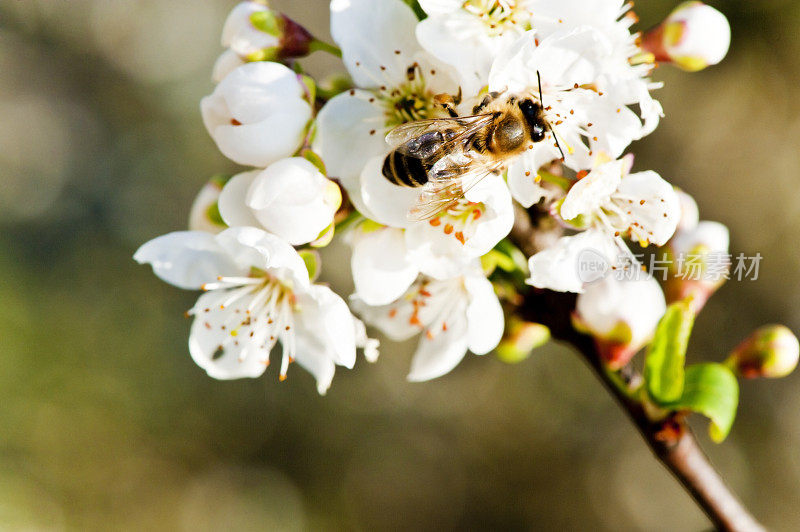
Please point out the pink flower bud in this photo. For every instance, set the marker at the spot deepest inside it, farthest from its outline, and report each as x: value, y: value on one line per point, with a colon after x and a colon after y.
x: 771, y: 351
x: 693, y: 37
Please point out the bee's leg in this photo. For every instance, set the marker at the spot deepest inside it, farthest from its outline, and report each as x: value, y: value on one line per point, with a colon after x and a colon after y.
x: 448, y: 103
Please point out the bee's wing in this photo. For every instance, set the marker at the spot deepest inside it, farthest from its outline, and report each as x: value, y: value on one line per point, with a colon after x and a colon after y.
x: 412, y: 138
x: 450, y: 178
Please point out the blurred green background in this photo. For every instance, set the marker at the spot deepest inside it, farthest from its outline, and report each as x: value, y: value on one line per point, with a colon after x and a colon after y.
x: 106, y: 423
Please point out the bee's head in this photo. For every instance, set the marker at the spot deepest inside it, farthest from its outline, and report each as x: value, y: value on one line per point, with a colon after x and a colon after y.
x: 534, y: 116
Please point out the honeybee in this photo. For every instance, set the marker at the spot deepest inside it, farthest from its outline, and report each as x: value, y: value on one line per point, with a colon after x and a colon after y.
x: 445, y: 157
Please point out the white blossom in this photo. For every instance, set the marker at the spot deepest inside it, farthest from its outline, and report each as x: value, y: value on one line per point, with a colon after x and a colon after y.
x: 567, y: 265
x: 258, y: 293
x: 258, y: 114
x: 443, y: 245
x: 453, y: 315
x: 586, y: 118
x: 640, y: 205
x: 396, y: 82
x: 290, y: 198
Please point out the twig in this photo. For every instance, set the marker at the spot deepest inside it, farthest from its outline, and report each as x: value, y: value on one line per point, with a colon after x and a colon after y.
x: 670, y: 439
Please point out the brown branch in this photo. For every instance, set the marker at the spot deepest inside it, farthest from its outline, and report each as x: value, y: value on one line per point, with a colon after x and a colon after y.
x: 671, y: 440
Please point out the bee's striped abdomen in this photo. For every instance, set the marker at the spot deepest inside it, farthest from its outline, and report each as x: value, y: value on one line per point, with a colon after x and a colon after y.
x: 404, y: 170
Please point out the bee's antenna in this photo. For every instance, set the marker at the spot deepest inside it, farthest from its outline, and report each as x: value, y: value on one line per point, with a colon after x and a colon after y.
x: 541, y: 102
x: 539, y: 78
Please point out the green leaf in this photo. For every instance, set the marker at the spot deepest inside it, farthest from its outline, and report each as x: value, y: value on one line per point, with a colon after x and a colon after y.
x: 663, y: 365
x: 712, y: 390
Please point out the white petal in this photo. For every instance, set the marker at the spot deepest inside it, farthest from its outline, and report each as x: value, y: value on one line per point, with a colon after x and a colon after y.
x: 369, y: 32
x: 588, y: 194
x: 498, y: 219
x: 485, y: 319
x: 562, y: 60
x: 232, y: 205
x: 388, y: 204
x: 440, y: 7
x: 393, y: 320
x: 609, y: 303
x: 459, y: 39
x: 381, y: 269
x: 712, y: 237
x: 558, y: 267
x: 250, y: 247
x: 438, y: 356
x: 293, y: 200
x: 690, y: 213
x: 264, y: 142
x: 235, y: 360
x: 312, y: 355
x: 552, y: 16
x: 226, y: 63
x: 522, y: 182
x: 617, y: 126
x: 326, y: 316
x: 344, y: 135
x: 187, y: 259
x: 657, y: 210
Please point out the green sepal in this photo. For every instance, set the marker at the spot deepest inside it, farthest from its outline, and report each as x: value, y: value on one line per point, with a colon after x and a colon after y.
x: 311, y: 88
x: 220, y: 180
x: 313, y: 262
x: 267, y: 22
x: 495, y: 259
x: 663, y: 365
x: 712, y: 390
x: 265, y: 54
x: 414, y: 5
x: 314, y: 158
x: 325, y: 237
x: 214, y: 216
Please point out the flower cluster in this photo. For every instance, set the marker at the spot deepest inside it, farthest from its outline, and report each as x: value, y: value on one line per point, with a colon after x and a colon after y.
x: 317, y: 153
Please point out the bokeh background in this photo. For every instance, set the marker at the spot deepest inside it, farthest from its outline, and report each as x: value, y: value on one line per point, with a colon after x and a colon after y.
x: 106, y: 423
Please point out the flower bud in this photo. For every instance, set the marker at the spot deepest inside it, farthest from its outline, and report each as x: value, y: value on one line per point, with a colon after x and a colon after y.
x: 258, y: 114
x: 520, y: 338
x: 693, y: 37
x: 621, y: 315
x: 204, y: 215
x: 771, y: 351
x: 699, y: 263
x: 290, y: 199
x: 257, y: 33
